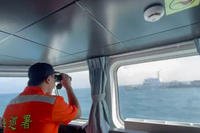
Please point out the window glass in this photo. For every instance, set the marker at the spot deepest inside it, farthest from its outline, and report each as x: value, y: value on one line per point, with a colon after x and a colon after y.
x: 81, y: 87
x: 10, y: 88
x: 167, y: 90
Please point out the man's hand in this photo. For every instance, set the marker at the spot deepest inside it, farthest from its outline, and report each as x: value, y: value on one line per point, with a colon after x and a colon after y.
x: 66, y: 80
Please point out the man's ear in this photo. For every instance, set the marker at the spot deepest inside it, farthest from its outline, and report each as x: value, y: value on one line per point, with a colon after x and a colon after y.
x: 48, y: 79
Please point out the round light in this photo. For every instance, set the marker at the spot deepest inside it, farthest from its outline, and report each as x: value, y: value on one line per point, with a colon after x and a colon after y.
x: 154, y: 13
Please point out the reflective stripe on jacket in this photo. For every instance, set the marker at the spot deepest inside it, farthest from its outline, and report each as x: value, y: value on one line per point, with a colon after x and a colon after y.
x: 34, y: 112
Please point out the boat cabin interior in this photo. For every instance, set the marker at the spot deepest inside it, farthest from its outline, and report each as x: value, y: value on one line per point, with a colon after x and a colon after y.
x: 100, y: 37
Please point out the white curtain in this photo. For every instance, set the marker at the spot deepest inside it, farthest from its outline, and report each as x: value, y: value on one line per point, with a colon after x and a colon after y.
x: 197, y: 43
x: 99, y: 120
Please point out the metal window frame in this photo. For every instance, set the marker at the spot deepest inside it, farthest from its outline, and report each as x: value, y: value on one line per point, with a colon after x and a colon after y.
x: 182, y: 49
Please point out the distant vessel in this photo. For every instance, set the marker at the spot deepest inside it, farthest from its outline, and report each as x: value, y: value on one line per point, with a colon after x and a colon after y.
x: 151, y: 83
x: 154, y: 83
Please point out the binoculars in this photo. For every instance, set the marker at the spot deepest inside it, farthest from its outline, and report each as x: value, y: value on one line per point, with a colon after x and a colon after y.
x: 58, y: 78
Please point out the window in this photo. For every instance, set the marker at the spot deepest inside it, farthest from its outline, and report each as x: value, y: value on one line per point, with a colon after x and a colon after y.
x: 167, y: 90
x: 81, y: 87
x: 10, y: 88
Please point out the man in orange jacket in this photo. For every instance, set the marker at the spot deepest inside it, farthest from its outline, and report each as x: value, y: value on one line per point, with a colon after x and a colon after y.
x: 35, y: 110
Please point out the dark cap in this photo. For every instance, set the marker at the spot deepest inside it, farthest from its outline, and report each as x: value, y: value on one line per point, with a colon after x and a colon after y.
x: 38, y: 72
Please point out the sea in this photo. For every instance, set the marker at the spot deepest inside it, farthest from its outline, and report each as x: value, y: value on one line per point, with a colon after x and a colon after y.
x: 167, y: 104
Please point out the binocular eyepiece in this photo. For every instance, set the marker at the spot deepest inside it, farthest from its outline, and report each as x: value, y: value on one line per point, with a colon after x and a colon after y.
x: 58, y: 78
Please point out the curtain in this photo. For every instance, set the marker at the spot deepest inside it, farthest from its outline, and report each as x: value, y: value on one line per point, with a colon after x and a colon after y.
x: 197, y: 43
x: 99, y: 120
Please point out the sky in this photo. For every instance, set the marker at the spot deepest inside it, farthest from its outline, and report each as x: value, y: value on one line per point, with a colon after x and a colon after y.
x: 16, y: 85
x: 12, y: 85
x: 180, y: 69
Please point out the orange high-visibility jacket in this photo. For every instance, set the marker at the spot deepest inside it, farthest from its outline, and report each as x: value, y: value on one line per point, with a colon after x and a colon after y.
x: 34, y: 112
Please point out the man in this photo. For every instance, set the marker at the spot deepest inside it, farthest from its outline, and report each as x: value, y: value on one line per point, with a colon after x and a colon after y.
x: 35, y: 110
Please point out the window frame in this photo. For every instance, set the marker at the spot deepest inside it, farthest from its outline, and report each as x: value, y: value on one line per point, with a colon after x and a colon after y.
x: 177, y: 50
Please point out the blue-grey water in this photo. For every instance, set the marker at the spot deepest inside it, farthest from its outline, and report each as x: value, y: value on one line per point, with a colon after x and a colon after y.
x: 171, y: 104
